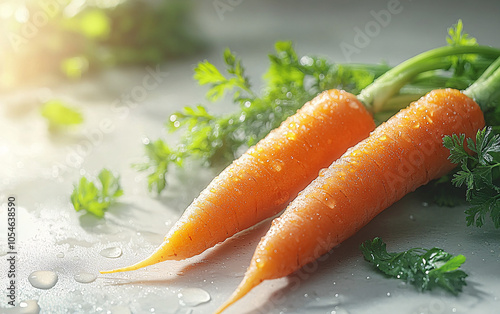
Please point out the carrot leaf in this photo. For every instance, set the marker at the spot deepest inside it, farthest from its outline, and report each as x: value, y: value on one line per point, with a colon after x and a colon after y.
x: 457, y: 38
x: 159, y: 156
x: 89, y: 197
x: 207, y: 73
x: 424, y: 268
x: 58, y: 114
x: 479, y: 173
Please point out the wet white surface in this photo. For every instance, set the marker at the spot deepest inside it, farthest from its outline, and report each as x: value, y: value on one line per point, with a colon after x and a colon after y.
x: 39, y: 168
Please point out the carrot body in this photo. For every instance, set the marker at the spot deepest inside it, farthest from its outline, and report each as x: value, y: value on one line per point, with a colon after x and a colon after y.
x: 263, y: 180
x: 398, y: 157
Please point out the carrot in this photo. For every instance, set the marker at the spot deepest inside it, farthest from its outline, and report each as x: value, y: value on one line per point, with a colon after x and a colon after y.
x: 399, y: 156
x: 260, y: 183
x: 263, y: 180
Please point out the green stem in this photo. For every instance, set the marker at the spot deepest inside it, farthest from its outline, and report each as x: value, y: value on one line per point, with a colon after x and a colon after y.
x: 487, y: 86
x: 376, y: 95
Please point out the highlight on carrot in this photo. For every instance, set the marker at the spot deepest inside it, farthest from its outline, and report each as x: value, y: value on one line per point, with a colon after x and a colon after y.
x: 401, y: 155
x: 260, y: 183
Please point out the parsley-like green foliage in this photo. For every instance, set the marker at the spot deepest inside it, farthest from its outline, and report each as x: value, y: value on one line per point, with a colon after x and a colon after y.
x: 96, y: 198
x: 443, y: 193
x: 159, y: 156
x: 479, y: 173
x: 466, y: 68
x: 216, y: 140
x: 424, y: 268
x: 59, y: 114
x: 207, y: 73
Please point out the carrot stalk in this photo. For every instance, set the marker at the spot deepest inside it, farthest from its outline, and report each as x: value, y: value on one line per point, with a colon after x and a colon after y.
x: 260, y: 183
x: 391, y: 82
x: 401, y: 155
x: 487, y: 86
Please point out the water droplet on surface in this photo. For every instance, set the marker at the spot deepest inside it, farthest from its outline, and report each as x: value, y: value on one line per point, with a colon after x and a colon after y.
x: 388, y: 294
x: 25, y: 307
x: 119, y: 309
x: 193, y: 296
x: 425, y: 204
x: 339, y: 310
x: 43, y: 279
x: 111, y: 252
x: 85, y: 277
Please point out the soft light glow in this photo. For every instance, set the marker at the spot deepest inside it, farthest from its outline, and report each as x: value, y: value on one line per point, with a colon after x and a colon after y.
x: 22, y: 14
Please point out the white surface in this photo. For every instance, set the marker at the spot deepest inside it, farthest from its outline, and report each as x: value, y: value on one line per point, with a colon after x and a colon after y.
x: 39, y: 169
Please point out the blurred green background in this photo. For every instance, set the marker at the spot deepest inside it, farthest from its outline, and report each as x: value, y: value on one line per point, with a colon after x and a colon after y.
x: 70, y: 38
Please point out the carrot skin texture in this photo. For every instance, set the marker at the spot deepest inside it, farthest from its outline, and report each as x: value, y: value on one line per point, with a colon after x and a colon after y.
x: 398, y: 157
x: 260, y: 183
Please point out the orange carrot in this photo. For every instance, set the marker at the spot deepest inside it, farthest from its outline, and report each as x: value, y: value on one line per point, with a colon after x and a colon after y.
x: 262, y: 181
x: 399, y: 156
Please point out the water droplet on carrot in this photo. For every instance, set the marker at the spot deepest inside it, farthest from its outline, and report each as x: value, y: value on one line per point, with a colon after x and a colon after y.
x: 277, y: 165
x: 282, y: 198
x: 323, y: 172
x: 291, y: 136
x: 330, y: 202
x: 259, y: 263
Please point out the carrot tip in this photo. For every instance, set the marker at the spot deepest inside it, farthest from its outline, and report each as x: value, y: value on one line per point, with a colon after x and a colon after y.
x: 160, y: 255
x: 250, y: 280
